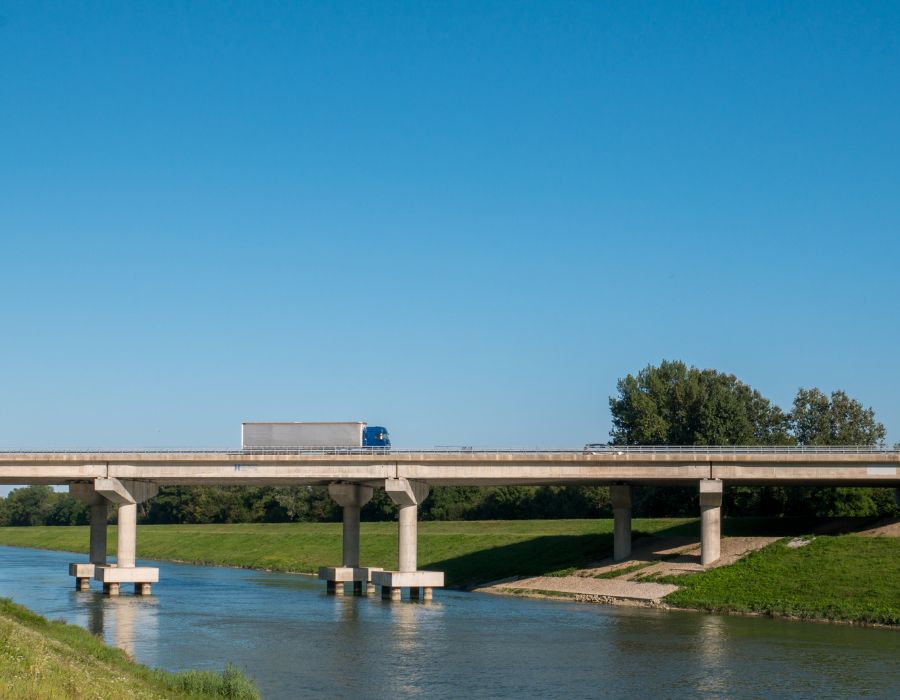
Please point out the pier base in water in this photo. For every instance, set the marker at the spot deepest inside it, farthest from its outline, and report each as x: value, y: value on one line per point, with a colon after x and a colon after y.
x: 360, y: 576
x: 421, y: 584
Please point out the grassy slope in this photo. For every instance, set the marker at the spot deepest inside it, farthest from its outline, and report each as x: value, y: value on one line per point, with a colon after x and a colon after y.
x: 836, y: 578
x: 469, y: 552
x: 42, y: 659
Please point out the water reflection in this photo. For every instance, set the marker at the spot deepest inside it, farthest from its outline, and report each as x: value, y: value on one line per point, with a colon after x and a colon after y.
x: 122, y: 621
x: 712, y: 643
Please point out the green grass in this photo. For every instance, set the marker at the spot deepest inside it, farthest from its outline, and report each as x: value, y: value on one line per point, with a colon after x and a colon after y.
x: 468, y: 552
x: 40, y: 659
x: 615, y: 573
x: 847, y: 577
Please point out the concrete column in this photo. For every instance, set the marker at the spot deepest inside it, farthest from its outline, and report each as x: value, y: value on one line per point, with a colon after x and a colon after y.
x: 350, y: 554
x: 408, y: 538
x: 351, y: 498
x: 408, y: 495
x: 98, y: 533
x: 621, y: 504
x: 710, y: 520
x: 126, y: 532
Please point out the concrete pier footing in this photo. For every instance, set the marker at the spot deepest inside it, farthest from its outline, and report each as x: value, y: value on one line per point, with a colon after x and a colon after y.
x: 621, y: 505
x: 336, y: 576
x: 710, y: 520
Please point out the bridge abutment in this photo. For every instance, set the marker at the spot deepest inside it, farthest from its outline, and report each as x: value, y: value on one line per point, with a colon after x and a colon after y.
x: 407, y: 494
x: 351, y: 498
x: 621, y: 505
x: 710, y: 520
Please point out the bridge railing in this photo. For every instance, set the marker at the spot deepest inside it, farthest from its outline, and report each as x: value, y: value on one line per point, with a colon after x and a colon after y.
x: 600, y: 449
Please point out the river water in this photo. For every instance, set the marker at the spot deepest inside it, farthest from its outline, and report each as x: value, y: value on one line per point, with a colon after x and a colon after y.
x: 296, y: 642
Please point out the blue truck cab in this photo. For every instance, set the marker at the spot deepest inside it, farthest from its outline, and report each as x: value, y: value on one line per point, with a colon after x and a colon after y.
x: 376, y: 436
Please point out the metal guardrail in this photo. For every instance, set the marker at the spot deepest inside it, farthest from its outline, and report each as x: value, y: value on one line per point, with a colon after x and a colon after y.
x: 587, y: 449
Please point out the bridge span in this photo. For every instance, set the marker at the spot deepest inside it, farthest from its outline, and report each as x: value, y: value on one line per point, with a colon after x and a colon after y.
x: 125, y: 478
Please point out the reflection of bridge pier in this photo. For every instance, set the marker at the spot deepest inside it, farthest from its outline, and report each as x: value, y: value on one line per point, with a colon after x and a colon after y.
x: 123, y: 620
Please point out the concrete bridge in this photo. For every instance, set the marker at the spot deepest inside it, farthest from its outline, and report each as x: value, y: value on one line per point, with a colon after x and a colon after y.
x: 125, y: 478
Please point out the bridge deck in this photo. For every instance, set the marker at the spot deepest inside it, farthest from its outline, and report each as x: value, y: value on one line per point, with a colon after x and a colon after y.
x: 602, y: 465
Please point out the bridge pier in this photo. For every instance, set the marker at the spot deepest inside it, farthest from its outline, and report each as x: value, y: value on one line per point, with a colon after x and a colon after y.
x: 408, y: 495
x: 99, y: 506
x: 621, y: 505
x: 710, y: 520
x: 351, y: 498
x: 126, y: 494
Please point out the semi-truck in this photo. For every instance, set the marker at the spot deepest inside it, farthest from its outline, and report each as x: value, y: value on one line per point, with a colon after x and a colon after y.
x: 313, y: 435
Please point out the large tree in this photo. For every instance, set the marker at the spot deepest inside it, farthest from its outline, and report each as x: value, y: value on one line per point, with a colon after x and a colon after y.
x: 840, y: 420
x: 816, y: 420
x: 674, y: 404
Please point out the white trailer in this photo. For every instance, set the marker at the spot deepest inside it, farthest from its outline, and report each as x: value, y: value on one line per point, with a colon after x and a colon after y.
x: 262, y: 435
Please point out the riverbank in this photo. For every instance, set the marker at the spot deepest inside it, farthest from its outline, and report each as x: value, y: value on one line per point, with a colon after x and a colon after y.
x: 40, y: 659
x: 848, y: 578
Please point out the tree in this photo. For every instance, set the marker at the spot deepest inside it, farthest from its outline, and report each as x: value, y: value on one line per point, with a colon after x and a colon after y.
x: 816, y: 420
x: 674, y: 404
x: 840, y: 420
x: 30, y: 505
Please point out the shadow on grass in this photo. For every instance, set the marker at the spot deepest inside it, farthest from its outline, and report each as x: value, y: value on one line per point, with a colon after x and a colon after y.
x: 562, y: 554
x: 540, y: 556
x: 787, y: 527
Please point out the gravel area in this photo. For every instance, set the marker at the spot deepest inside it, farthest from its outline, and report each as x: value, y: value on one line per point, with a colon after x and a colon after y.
x: 889, y: 529
x: 605, y: 588
x: 665, y: 556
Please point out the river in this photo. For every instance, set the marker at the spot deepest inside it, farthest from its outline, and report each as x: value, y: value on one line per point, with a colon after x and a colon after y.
x: 295, y: 642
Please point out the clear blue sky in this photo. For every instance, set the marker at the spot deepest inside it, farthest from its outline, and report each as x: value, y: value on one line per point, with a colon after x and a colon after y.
x: 461, y: 220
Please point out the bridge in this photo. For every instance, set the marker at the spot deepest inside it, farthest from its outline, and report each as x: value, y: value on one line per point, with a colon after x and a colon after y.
x: 123, y: 479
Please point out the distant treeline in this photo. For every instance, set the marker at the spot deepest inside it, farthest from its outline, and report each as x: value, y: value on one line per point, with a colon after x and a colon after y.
x: 669, y: 404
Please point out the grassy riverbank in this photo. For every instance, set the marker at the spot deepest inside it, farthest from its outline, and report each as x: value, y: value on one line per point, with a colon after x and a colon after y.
x: 40, y: 659
x: 469, y: 552
x: 840, y: 578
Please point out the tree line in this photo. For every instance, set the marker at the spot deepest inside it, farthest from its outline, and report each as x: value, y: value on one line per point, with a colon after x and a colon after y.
x: 668, y: 404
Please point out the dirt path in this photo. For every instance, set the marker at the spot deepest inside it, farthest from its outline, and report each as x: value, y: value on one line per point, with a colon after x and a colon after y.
x: 663, y: 556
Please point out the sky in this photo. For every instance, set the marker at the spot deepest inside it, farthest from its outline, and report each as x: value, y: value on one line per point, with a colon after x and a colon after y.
x: 461, y: 220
